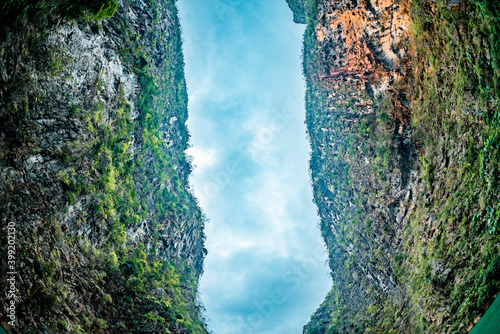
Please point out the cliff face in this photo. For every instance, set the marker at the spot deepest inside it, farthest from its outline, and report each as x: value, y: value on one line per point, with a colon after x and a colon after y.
x: 298, y: 10
x: 362, y: 157
x: 108, y: 237
x: 401, y: 100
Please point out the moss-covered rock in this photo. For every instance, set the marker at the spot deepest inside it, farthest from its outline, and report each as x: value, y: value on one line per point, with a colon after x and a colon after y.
x: 93, y: 105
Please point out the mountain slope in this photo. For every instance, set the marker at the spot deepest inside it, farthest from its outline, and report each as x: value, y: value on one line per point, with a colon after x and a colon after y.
x: 93, y: 105
x: 402, y: 116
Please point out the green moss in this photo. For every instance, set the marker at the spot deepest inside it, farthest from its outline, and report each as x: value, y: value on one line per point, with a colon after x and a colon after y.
x: 12, y: 10
x: 114, y: 185
x: 457, y: 104
x: 455, y: 123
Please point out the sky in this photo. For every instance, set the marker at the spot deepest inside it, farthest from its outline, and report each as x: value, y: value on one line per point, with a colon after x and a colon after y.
x: 266, y: 271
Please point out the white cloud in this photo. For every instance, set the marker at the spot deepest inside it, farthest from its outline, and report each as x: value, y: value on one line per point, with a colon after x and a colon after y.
x: 265, y: 132
x: 202, y: 159
x: 242, y: 69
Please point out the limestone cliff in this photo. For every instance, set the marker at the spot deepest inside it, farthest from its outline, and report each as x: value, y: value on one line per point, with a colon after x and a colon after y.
x: 298, y: 10
x: 108, y: 237
x: 401, y: 108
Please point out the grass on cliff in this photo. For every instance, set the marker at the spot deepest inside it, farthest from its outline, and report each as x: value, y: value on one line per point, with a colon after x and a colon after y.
x: 138, y: 271
x: 352, y: 164
x: 456, y: 120
x: 452, y: 270
x: 78, y: 10
x: 135, y: 288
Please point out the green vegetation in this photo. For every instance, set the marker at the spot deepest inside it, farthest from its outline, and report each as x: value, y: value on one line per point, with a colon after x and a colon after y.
x: 457, y: 114
x: 353, y: 167
x: 145, y: 293
x: 115, y: 192
x: 448, y: 251
x: 125, y: 174
x: 76, y: 9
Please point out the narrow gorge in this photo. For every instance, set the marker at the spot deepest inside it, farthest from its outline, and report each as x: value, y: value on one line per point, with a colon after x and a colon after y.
x: 101, y: 232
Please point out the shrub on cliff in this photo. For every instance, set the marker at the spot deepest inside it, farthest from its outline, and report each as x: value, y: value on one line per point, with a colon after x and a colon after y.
x: 12, y: 10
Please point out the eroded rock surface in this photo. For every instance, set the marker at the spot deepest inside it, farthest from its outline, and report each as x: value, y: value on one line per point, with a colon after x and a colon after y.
x: 396, y: 128
x: 94, y: 175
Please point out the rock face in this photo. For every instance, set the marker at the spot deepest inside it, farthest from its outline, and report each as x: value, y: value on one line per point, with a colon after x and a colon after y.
x: 298, y: 10
x: 361, y: 166
x: 108, y: 237
x: 381, y: 112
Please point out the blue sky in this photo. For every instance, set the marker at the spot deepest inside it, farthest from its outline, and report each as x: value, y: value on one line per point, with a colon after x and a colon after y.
x: 266, y: 270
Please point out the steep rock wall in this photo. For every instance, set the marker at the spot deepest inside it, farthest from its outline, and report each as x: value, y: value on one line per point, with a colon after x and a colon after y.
x: 298, y: 10
x: 395, y: 128
x: 361, y: 163
x: 94, y: 176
